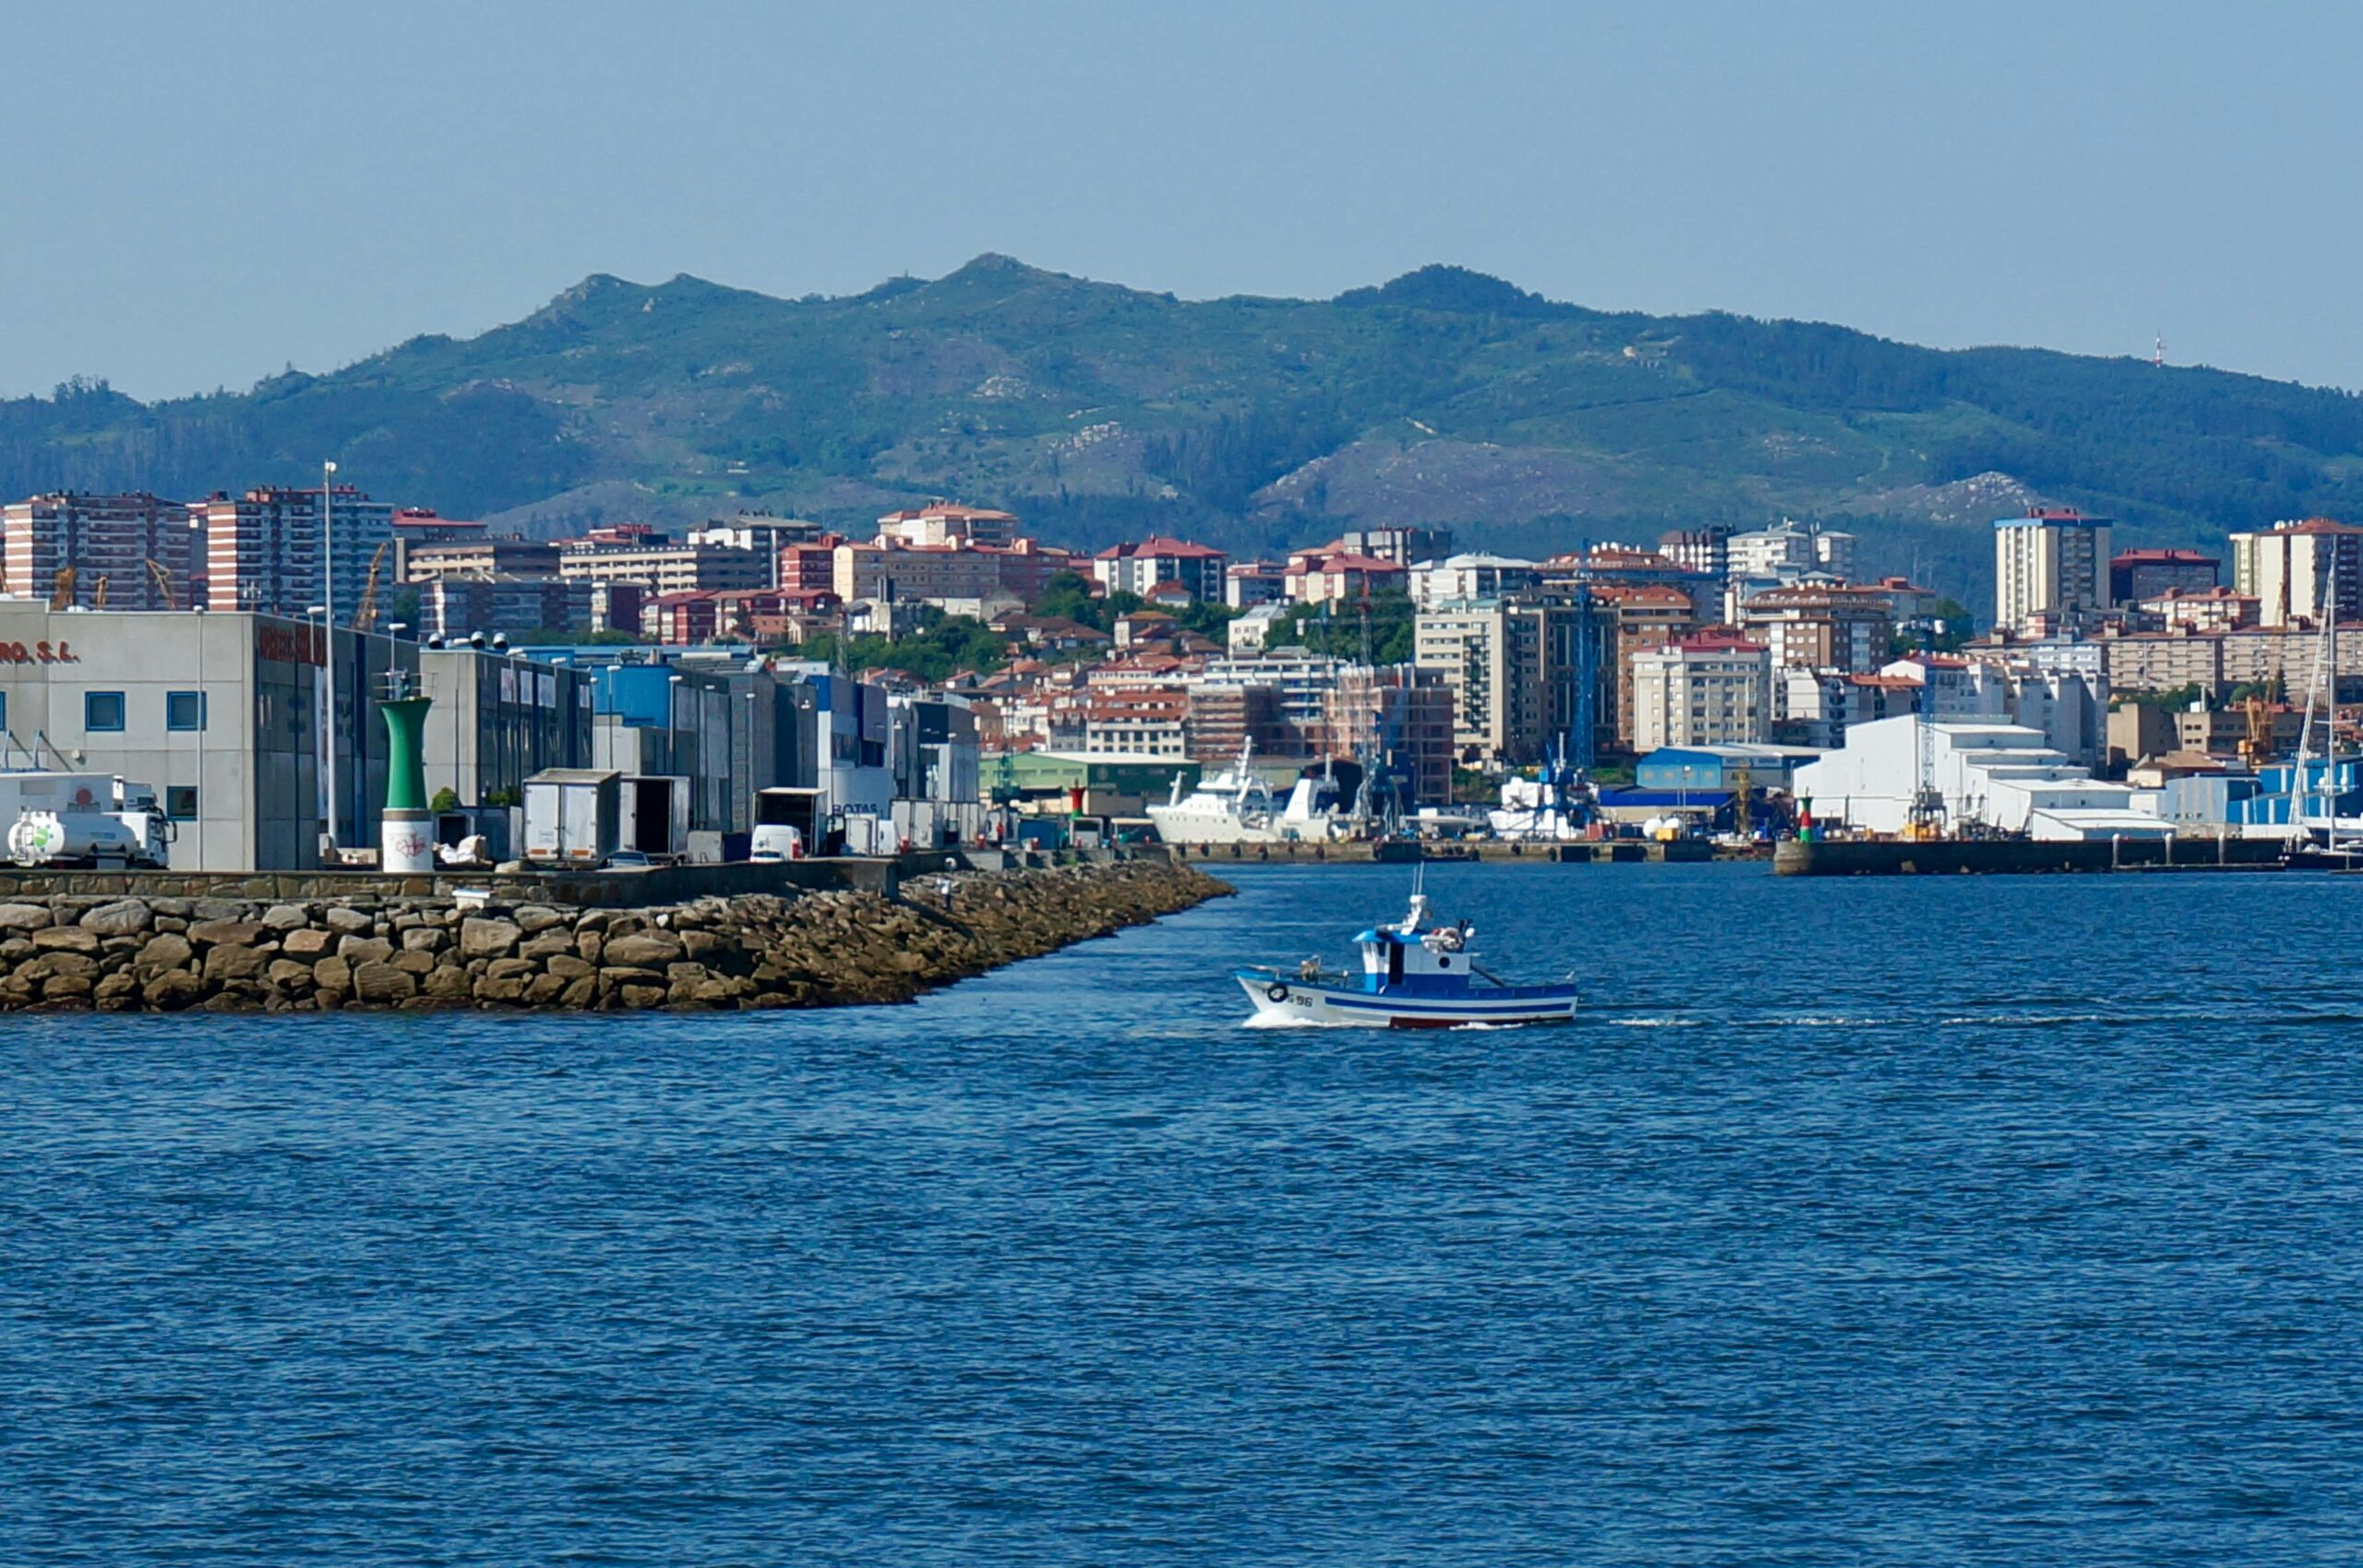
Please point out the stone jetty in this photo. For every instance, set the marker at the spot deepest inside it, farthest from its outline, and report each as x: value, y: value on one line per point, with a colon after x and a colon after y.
x: 788, y: 948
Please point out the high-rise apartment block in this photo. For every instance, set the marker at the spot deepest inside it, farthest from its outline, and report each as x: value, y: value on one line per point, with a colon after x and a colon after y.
x: 1709, y: 690
x: 2297, y: 569
x: 264, y: 550
x: 127, y: 552
x: 2049, y: 563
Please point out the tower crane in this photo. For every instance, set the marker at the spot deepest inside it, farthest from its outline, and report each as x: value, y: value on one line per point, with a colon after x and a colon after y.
x: 1926, y: 820
x: 366, y: 616
x: 163, y: 582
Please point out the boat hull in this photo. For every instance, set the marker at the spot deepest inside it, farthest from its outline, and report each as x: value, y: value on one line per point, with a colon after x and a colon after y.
x: 1180, y: 824
x: 1282, y: 1000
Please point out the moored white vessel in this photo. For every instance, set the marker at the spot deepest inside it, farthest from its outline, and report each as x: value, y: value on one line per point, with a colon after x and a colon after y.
x: 1236, y: 806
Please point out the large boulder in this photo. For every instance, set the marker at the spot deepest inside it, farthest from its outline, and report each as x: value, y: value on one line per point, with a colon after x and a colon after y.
x: 449, y: 985
x: 546, y: 944
x: 307, y: 943
x: 24, y: 916
x: 65, y: 938
x: 230, y: 962
x: 171, y: 990
x: 167, y: 950
x: 345, y: 920
x: 641, y: 950
x: 230, y: 933
x: 123, y: 917
x: 483, y: 937
x: 357, y: 951
x: 382, y: 984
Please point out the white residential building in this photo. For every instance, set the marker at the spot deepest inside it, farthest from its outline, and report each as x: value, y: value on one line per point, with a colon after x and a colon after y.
x: 1712, y: 689
x: 1457, y: 578
x: 2051, y: 563
x: 2294, y: 568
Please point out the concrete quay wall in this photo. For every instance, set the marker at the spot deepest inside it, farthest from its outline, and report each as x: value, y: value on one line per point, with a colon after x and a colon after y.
x: 2020, y: 856
x: 789, y: 947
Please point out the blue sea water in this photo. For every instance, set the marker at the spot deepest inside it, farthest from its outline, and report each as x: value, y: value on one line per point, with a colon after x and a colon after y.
x: 1919, y: 1221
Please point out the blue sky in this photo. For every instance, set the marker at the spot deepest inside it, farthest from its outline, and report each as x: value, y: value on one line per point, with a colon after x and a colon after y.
x: 200, y: 195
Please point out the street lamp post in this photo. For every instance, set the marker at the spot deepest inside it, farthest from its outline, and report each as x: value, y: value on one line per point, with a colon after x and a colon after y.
x: 204, y: 703
x: 315, y: 623
x: 327, y: 579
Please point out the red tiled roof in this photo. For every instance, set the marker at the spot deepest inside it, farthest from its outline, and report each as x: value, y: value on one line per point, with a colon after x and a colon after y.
x: 1343, y: 562
x: 2159, y: 558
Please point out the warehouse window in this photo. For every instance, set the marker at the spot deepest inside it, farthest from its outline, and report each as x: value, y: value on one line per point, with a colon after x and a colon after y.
x: 103, y: 712
x: 184, y: 710
x: 180, y: 802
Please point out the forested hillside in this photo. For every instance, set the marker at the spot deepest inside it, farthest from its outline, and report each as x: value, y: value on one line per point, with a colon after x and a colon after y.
x: 1096, y: 410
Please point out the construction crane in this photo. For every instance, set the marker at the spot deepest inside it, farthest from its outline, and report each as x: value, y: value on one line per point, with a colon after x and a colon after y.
x: 61, y: 593
x: 1586, y: 718
x: 1926, y: 820
x: 366, y: 616
x: 2256, y: 746
x: 163, y: 582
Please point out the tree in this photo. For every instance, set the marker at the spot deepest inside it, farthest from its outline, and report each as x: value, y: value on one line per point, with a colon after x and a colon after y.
x: 1393, y: 622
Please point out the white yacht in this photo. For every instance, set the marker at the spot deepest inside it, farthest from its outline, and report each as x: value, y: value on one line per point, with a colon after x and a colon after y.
x: 1237, y: 805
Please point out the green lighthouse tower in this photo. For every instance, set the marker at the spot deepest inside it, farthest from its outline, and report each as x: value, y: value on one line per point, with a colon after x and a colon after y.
x: 406, y: 830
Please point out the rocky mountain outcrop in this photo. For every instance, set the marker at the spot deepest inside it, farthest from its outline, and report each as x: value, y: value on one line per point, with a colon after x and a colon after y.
x: 760, y: 951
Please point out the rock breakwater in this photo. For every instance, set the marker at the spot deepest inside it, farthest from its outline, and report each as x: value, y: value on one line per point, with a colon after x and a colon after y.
x: 755, y: 951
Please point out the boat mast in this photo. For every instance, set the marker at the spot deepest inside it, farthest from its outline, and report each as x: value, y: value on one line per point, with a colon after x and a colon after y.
x: 2323, y: 669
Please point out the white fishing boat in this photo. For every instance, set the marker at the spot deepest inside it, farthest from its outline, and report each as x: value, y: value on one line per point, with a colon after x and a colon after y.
x: 1236, y: 806
x: 1415, y: 974
x: 1552, y: 809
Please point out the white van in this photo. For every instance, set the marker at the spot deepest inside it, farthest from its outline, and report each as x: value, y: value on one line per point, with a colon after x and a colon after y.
x: 773, y: 842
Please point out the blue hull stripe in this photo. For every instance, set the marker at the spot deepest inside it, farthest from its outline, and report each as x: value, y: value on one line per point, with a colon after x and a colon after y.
x: 1452, y: 1009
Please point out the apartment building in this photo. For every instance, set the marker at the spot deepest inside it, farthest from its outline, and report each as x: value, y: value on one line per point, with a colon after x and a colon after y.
x: 1198, y: 571
x: 941, y: 522
x: 1341, y: 578
x: 2051, y: 563
x: 1842, y: 629
x: 1471, y: 576
x: 1250, y: 583
x: 265, y: 551
x: 660, y: 564
x: 1708, y: 689
x: 2136, y: 575
x: 460, y: 606
x: 126, y: 552
x: 969, y: 574
x: 2295, y: 569
x: 426, y: 559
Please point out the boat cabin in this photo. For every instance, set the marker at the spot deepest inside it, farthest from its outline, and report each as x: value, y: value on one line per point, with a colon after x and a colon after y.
x: 1415, y: 957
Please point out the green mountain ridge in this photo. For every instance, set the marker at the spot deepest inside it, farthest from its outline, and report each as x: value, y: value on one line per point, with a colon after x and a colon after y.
x: 1096, y: 412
